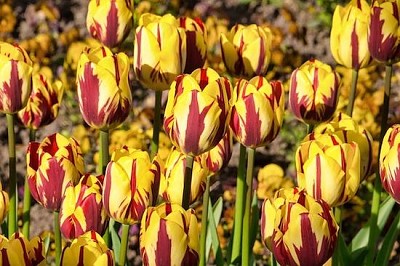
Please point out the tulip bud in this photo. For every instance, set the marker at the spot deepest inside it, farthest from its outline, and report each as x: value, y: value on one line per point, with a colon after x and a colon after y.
x: 159, y: 51
x: 389, y: 162
x: 329, y: 171
x: 298, y: 229
x: 15, y: 78
x: 43, y: 103
x: 87, y: 249
x: 131, y: 184
x: 82, y: 208
x: 383, y: 31
x: 246, y: 50
x: 169, y: 235
x: 197, y: 111
x: 257, y: 112
x: 109, y: 21
x: 52, y: 165
x: 313, y: 95
x: 4, y: 204
x: 103, y: 87
x: 349, y: 45
x: 172, y: 184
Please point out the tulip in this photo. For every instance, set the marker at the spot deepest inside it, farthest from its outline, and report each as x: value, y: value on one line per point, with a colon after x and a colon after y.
x: 103, y: 88
x: 298, y: 229
x: 169, y: 235
x: 109, y: 21
x: 159, y: 51
x: 196, y: 45
x: 52, y: 165
x: 43, y: 103
x: 257, y: 112
x: 383, y: 31
x: 246, y: 50
x: 349, y: 44
x: 329, y: 171
x: 82, y: 208
x: 389, y: 162
x: 313, y: 95
x: 4, y: 204
x: 197, y: 111
x: 131, y: 184
x: 172, y: 185
x: 16, y: 75
x: 87, y: 249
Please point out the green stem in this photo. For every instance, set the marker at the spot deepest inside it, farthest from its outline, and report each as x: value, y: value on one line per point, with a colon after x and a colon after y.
x: 354, y: 78
x: 12, y: 214
x: 156, y: 125
x: 376, y: 195
x: 124, y: 244
x: 27, y: 196
x: 239, y: 208
x: 104, y: 158
x: 273, y: 260
x: 247, y: 247
x: 187, y: 185
x: 204, y: 224
x: 57, y: 237
x: 338, y: 219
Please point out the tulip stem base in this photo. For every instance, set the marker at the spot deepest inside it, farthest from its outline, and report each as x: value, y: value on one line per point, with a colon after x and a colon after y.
x: 124, y: 244
x: 12, y: 185
x: 156, y: 125
x: 204, y: 224
x: 57, y: 237
x: 187, y: 185
x: 104, y: 151
x: 353, y: 89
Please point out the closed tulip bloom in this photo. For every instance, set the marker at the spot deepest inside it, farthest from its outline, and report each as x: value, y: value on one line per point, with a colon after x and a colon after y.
x: 52, y: 165
x: 15, y: 78
x: 4, y: 204
x: 257, y: 112
x: 313, y: 92
x: 298, y: 229
x: 88, y: 249
x: 159, y: 51
x: 389, y: 162
x: 383, y: 31
x: 109, y: 21
x: 43, y: 103
x: 172, y: 184
x: 169, y: 235
x: 197, y: 111
x: 196, y: 45
x: 349, y: 45
x: 329, y: 171
x: 103, y: 87
x: 246, y: 50
x: 82, y: 207
x: 131, y: 184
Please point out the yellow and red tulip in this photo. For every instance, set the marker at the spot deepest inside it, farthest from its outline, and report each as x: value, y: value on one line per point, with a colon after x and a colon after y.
x: 169, y: 235
x: 159, y: 51
x: 246, y: 50
x: 383, y: 31
x: 349, y: 45
x: 109, y: 21
x: 389, y: 162
x: 197, y: 111
x: 82, y: 207
x: 53, y: 164
x: 298, y: 229
x: 257, y: 112
x: 43, y: 103
x: 103, y: 87
x: 329, y: 169
x: 196, y: 45
x: 131, y: 184
x: 87, y: 249
x: 15, y: 78
x: 4, y: 204
x: 172, y: 184
x: 313, y: 92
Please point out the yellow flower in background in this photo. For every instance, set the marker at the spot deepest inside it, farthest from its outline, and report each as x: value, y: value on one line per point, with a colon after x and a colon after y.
x: 4, y: 204
x: 7, y: 18
x: 270, y: 179
x: 349, y: 45
x: 169, y: 235
x: 246, y: 50
x: 298, y: 229
x: 159, y: 51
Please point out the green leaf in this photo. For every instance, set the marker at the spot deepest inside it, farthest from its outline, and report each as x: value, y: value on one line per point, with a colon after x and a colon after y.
x: 213, y: 219
x: 116, y: 241
x: 46, y: 242
x: 344, y: 253
x: 255, y: 218
x: 387, y: 245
